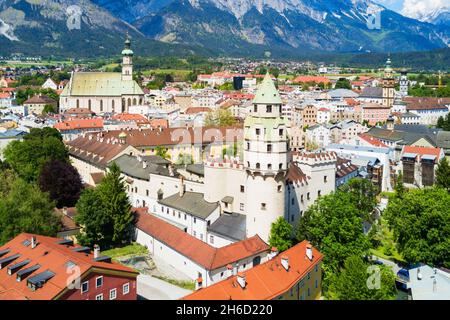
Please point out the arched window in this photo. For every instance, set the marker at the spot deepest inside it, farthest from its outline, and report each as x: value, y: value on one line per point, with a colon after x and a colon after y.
x: 134, y: 101
x: 101, y: 105
x: 269, y: 166
x: 78, y: 103
x: 281, y: 166
x: 129, y: 101
x: 113, y: 104
x: 89, y: 104
x: 140, y: 101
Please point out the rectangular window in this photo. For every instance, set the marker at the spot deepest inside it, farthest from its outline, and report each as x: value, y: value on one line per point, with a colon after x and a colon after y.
x: 85, y: 287
x: 269, y: 109
x: 242, y: 189
x: 241, y: 207
x: 263, y: 206
x: 113, y: 294
x: 195, y: 220
x: 211, y: 239
x: 269, y: 148
x: 258, y: 132
x: 99, y: 296
x: 99, y: 281
x: 281, y: 132
x: 126, y: 288
x: 325, y: 179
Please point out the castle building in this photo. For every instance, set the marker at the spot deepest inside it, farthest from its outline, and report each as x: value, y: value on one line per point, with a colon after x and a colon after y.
x: 104, y: 92
x: 388, y: 85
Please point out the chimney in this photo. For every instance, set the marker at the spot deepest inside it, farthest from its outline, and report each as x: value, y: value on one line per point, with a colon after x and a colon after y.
x: 199, y: 283
x: 273, y: 253
x: 241, y: 280
x: 144, y: 164
x: 309, y: 253
x: 181, y: 186
x: 96, y: 251
x: 229, y: 271
x: 171, y: 173
x: 285, y: 262
x: 434, y: 285
x: 419, y: 274
x: 33, y: 242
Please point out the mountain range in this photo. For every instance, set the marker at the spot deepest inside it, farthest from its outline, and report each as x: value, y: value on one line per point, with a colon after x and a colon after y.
x: 285, y: 28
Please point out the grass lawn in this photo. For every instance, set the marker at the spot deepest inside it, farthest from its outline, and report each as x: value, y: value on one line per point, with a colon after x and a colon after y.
x: 387, y: 249
x: 188, y: 285
x: 132, y: 249
x: 174, y: 72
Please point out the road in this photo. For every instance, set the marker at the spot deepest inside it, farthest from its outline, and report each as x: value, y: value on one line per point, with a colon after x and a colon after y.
x: 151, y: 288
x: 395, y: 267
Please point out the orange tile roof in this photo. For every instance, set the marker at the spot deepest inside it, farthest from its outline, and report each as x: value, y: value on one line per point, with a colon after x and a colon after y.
x: 139, y: 119
x: 79, y: 124
x: 194, y: 110
x: 50, y: 256
x: 265, y: 281
x: 423, y: 151
x: 196, y: 250
x: 5, y: 95
x: 373, y: 141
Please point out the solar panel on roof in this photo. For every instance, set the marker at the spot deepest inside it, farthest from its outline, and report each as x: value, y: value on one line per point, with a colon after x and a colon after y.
x: 4, y: 251
x: 26, y: 243
x: 66, y: 242
x: 17, y: 266
x: 22, y: 274
x: 39, y: 280
x: 103, y: 259
x: 5, y: 261
x: 82, y: 249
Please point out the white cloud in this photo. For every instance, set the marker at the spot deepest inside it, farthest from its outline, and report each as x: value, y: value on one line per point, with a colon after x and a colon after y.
x: 420, y: 8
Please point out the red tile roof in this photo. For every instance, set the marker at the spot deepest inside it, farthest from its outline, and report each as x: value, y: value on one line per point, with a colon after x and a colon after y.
x: 53, y: 257
x: 424, y: 151
x: 196, y: 250
x: 265, y: 281
x: 80, y: 124
x: 194, y: 110
x: 139, y: 119
x: 373, y: 141
x: 426, y: 103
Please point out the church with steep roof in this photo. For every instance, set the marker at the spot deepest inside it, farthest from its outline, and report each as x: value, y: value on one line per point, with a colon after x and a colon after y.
x: 104, y: 92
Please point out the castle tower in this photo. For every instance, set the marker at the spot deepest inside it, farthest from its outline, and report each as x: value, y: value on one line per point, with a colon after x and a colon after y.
x: 266, y: 152
x: 404, y: 83
x: 127, y: 61
x: 388, y: 85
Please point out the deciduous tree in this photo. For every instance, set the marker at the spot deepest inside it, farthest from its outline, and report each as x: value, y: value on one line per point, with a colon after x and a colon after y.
x: 281, y: 234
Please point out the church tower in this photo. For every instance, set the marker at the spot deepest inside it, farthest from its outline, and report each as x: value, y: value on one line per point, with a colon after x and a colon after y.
x: 388, y: 85
x: 127, y: 61
x: 404, y: 83
x: 266, y: 152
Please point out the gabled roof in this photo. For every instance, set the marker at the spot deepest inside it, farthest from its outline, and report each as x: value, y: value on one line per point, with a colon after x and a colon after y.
x: 192, y: 203
x: 372, y: 92
x: 100, y: 84
x: 265, y: 281
x: 196, y: 250
x: 53, y: 257
x: 267, y: 92
x: 80, y: 124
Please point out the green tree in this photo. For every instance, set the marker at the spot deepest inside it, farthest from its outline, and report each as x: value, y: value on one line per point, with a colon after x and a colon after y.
x: 281, y: 234
x: 26, y: 209
x: 162, y: 152
x: 420, y: 221
x: 399, y: 186
x: 343, y: 83
x: 48, y: 108
x: 28, y: 156
x: 443, y: 174
x: 333, y: 224
x: 184, y: 158
x: 363, y: 195
x: 115, y: 200
x: 354, y: 282
x: 98, y: 226
x: 220, y: 117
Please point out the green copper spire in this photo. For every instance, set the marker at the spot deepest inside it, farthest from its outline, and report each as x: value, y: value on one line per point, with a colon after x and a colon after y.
x: 267, y: 92
x: 127, y: 51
